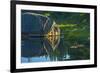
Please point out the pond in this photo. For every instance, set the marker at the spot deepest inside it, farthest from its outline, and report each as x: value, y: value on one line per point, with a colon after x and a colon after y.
x: 40, y: 49
x: 72, y: 43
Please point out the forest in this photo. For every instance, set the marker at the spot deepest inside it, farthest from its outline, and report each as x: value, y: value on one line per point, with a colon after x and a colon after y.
x: 74, y: 35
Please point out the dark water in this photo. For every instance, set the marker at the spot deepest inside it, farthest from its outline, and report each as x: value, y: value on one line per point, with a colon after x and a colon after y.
x: 73, y: 43
x: 40, y: 49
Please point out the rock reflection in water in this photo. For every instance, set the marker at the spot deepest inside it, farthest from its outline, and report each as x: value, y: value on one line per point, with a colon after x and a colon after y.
x: 41, y: 50
x: 38, y: 49
x: 45, y: 43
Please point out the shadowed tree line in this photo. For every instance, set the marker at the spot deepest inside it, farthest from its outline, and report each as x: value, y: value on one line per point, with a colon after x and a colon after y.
x: 75, y: 35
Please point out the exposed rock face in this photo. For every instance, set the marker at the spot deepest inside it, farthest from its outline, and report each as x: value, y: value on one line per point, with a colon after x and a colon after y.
x: 33, y: 24
x: 36, y: 24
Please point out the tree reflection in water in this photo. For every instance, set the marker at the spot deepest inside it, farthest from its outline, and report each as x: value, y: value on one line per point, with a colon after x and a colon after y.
x: 66, y: 40
x: 52, y: 48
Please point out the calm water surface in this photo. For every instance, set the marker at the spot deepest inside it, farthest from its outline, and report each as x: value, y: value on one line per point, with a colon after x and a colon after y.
x: 42, y: 49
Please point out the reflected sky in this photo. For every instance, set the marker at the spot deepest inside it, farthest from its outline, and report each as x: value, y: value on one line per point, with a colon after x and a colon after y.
x: 39, y: 59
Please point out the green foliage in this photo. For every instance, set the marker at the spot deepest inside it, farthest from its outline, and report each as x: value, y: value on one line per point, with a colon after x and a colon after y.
x: 75, y: 28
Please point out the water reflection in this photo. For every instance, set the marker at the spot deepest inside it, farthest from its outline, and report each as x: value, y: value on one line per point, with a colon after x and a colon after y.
x: 43, y: 40
x: 40, y: 49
